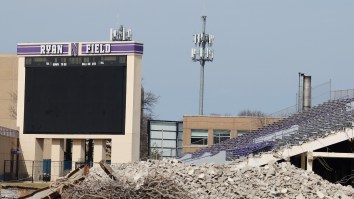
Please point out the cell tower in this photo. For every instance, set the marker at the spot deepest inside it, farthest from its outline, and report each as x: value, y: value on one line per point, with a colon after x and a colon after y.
x: 121, y: 34
x: 202, y: 55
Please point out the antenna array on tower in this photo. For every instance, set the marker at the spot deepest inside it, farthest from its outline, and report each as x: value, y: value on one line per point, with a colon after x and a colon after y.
x: 202, y: 40
x: 202, y: 54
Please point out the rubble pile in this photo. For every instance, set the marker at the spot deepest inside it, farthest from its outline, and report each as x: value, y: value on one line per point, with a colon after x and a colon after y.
x: 152, y: 185
x: 9, y: 193
x: 172, y: 179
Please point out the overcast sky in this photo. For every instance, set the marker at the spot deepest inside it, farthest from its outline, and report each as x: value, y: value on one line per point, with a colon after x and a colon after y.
x: 260, y: 45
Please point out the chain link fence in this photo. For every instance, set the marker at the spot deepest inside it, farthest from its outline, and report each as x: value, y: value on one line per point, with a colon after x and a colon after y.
x: 28, y: 170
x: 342, y: 94
x: 320, y: 94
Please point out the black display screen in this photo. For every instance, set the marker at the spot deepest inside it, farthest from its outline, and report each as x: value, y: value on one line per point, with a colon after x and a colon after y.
x: 81, y: 95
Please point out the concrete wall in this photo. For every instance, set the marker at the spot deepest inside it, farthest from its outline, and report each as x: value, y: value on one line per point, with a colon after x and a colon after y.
x: 6, y: 144
x: 8, y: 84
x: 211, y: 123
x: 47, y: 143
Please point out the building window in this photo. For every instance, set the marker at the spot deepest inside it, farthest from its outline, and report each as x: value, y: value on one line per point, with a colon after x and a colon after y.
x: 242, y: 132
x: 163, y: 138
x: 199, y: 137
x: 221, y: 135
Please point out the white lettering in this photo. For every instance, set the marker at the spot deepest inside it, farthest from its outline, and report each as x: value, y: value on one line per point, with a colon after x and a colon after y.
x: 54, y: 49
x: 101, y: 48
x: 59, y: 49
x: 51, y: 49
x: 42, y: 49
x: 98, y: 48
x: 48, y: 49
x: 108, y: 48
x: 88, y: 48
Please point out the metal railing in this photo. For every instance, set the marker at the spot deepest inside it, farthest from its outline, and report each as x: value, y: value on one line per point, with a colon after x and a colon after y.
x: 316, y: 100
x: 342, y: 94
x: 277, y: 135
x: 286, y: 112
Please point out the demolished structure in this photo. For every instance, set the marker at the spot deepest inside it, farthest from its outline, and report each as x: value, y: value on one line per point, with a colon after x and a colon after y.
x: 262, y: 164
x: 173, y: 179
x: 325, y: 131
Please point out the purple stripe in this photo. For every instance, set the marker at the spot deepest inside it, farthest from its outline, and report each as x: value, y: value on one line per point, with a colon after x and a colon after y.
x: 24, y: 50
x: 122, y: 52
x: 126, y: 44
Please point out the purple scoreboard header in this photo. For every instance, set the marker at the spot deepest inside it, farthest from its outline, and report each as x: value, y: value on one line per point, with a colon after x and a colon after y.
x: 79, y: 48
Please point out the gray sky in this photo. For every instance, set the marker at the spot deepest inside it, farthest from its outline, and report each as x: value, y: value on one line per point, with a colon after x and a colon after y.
x: 260, y: 45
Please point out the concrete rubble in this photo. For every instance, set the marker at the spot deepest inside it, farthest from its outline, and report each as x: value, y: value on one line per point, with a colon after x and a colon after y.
x: 275, y: 180
x: 9, y: 193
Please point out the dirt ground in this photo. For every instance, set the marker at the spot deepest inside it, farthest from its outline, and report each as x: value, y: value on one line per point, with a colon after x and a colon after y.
x: 19, y: 188
x: 37, y: 185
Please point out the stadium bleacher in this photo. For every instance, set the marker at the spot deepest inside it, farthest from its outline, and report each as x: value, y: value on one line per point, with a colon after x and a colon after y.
x: 321, y: 120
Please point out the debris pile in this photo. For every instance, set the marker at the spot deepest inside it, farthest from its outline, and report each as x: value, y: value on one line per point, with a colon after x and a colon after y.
x: 172, y: 179
x: 9, y: 193
x: 152, y: 186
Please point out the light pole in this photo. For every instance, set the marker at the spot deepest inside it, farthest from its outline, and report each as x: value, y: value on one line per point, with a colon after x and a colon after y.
x: 202, y: 55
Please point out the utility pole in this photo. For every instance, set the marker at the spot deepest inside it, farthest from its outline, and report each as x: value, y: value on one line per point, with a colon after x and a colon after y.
x: 300, y: 93
x: 202, y: 55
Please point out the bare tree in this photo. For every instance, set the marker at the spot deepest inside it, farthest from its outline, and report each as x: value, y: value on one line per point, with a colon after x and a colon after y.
x: 155, y: 153
x: 254, y: 113
x: 13, y: 105
x: 261, y: 116
x: 148, y: 101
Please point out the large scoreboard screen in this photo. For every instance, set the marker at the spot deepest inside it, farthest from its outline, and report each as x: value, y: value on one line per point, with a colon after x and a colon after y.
x: 75, y: 95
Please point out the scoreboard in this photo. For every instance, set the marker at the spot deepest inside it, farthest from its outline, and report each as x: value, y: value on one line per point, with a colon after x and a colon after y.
x: 75, y: 94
